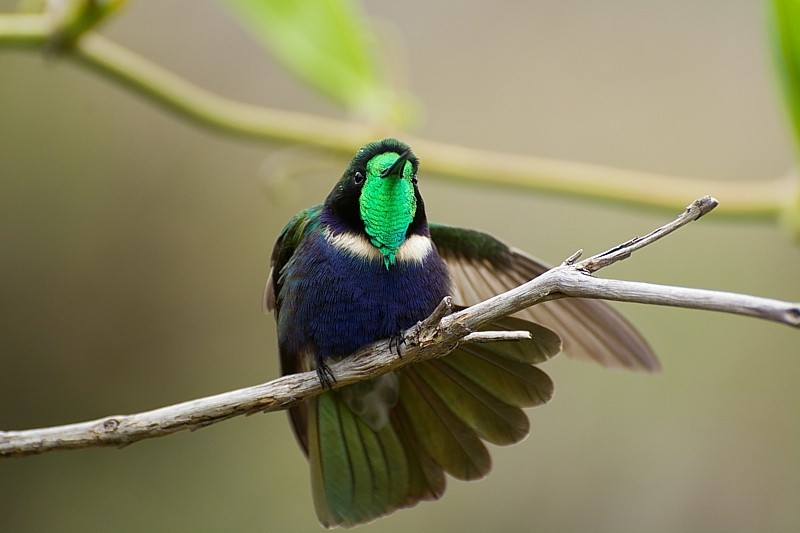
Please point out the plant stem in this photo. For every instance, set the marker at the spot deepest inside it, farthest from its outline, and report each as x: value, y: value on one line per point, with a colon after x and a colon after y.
x: 759, y: 199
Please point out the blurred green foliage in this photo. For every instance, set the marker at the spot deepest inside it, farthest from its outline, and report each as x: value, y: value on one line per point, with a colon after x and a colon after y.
x: 333, y: 47
x: 784, y: 21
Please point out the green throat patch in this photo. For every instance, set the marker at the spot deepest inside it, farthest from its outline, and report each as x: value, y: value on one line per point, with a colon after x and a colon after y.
x: 387, y: 205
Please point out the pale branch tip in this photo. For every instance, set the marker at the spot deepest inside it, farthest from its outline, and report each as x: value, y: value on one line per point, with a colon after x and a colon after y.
x: 574, y: 257
x: 496, y: 336
x: 433, y: 337
x: 694, y: 211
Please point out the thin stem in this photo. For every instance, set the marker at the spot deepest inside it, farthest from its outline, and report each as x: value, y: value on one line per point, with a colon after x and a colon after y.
x: 765, y: 199
x: 752, y: 199
x: 24, y: 30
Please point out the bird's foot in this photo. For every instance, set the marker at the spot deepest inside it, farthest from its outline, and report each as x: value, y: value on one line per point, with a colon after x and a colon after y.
x: 395, y: 341
x: 325, y: 375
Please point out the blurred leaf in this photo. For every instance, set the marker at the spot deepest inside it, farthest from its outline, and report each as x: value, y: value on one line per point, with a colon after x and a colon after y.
x: 785, y: 32
x: 784, y: 18
x: 329, y: 44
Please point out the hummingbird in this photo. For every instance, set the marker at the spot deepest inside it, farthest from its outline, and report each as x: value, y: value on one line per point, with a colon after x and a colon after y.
x: 365, y: 265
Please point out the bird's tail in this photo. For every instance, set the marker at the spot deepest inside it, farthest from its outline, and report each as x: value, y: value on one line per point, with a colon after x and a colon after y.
x: 443, y: 411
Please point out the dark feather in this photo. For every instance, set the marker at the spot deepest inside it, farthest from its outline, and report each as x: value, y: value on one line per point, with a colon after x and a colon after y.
x: 449, y: 441
x: 446, y: 408
x: 482, y: 266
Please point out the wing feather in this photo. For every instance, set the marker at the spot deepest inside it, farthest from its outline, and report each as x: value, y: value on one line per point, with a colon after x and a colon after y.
x: 482, y: 266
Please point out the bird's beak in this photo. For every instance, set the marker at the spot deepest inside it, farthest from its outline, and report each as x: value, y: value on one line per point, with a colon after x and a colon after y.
x: 397, y: 167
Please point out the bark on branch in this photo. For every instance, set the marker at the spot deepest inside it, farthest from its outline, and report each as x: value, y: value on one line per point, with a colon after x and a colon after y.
x: 434, y: 337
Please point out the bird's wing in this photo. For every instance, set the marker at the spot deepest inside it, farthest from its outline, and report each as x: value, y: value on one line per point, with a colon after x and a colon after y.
x: 482, y: 266
x: 289, y: 239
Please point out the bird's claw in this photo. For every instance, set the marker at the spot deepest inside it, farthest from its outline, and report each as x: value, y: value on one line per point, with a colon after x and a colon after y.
x: 325, y: 375
x: 395, y: 341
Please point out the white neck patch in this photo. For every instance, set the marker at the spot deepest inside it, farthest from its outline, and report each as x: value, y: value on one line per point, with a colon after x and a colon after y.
x: 413, y: 250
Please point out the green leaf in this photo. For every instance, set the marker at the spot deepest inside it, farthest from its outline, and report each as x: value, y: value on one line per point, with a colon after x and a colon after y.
x: 784, y: 19
x: 785, y: 33
x: 330, y: 45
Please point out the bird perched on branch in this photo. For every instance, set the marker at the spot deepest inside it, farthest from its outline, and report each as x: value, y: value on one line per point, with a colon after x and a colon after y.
x: 365, y: 265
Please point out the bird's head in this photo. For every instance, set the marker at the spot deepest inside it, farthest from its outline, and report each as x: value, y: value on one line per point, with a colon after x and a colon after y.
x: 378, y: 197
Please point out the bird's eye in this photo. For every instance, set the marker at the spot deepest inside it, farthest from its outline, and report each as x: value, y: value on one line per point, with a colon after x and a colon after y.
x: 358, y: 178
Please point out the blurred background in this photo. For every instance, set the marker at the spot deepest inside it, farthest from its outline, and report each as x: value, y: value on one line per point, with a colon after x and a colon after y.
x: 134, y: 247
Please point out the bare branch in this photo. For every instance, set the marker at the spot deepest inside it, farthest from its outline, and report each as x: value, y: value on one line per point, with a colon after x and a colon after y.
x: 434, y: 337
x: 424, y: 341
x: 647, y: 293
x: 695, y: 210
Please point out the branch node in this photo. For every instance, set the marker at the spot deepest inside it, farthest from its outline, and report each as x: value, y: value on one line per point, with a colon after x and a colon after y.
x: 109, y: 425
x: 569, y: 261
x: 428, y: 329
x: 444, y: 308
x: 702, y: 206
x: 793, y: 316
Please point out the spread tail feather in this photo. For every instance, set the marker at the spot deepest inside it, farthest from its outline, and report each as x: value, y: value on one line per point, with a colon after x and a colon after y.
x: 444, y: 411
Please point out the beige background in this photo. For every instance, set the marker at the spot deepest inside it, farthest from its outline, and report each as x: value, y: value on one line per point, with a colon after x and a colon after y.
x: 134, y: 246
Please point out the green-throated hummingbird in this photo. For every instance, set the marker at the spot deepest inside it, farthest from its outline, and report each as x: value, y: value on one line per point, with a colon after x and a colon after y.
x: 365, y: 265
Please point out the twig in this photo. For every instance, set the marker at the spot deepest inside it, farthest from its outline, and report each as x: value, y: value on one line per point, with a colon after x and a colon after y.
x: 695, y: 210
x: 496, y: 336
x: 648, y: 293
x: 433, y: 337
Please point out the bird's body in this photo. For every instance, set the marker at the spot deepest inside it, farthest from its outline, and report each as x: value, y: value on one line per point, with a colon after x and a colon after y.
x: 358, y: 301
x: 366, y: 265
